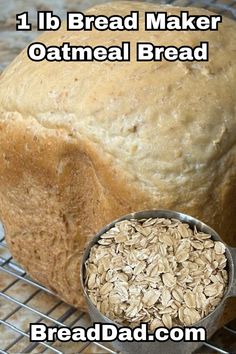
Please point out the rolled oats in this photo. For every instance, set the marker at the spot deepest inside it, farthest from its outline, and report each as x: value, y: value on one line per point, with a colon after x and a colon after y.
x: 158, y: 271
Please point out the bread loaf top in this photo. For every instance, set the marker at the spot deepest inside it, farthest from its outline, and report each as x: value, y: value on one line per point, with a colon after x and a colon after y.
x: 157, y: 122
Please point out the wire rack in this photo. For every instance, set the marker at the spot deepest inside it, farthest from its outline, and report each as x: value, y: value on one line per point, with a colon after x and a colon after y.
x: 23, y: 301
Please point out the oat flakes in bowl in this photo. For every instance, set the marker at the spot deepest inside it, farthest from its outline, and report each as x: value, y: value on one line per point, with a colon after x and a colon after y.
x: 156, y: 270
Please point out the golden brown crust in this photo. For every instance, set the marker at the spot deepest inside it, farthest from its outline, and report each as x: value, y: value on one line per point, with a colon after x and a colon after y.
x: 53, y: 198
x: 71, y: 160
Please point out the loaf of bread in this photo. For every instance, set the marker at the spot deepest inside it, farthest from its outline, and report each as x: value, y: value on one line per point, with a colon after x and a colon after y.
x: 82, y: 143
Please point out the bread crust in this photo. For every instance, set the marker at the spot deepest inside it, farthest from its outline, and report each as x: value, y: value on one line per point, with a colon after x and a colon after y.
x: 77, y: 148
x: 56, y: 194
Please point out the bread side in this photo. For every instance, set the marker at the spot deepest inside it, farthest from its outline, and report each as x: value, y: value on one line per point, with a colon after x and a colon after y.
x: 54, y: 196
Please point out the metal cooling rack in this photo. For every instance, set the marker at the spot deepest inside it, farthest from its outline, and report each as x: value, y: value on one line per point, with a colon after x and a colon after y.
x: 18, y: 296
x: 22, y: 300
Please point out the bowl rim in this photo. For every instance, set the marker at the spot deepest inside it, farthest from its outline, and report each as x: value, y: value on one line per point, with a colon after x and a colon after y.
x: 168, y: 214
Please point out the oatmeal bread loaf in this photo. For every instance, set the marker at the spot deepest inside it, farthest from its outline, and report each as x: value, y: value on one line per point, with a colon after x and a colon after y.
x: 82, y: 143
